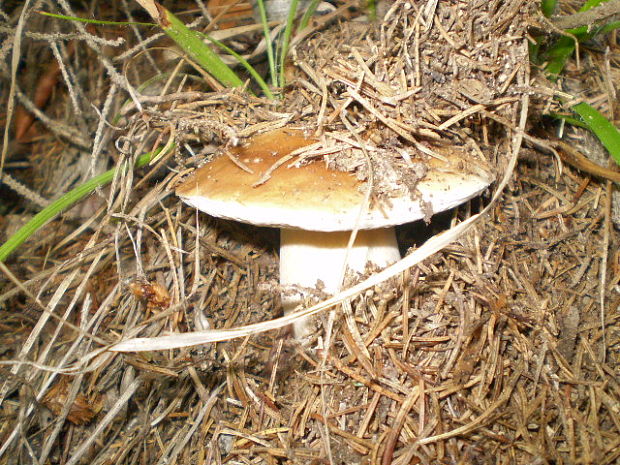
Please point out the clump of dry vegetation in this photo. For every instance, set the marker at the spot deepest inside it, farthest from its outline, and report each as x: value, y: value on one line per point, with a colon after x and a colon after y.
x: 500, y: 348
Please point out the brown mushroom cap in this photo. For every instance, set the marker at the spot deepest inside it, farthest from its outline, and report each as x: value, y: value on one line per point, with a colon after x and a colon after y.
x: 314, y: 197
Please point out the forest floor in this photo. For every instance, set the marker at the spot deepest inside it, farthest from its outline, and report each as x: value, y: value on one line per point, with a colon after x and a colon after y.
x: 502, y: 347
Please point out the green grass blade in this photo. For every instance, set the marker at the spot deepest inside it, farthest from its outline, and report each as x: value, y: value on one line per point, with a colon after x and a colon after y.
x: 548, y: 7
x: 288, y: 31
x: 267, y: 36
x: 192, y: 44
x: 98, y: 22
x: 63, y: 203
x: 569, y: 119
x: 257, y: 77
x: 608, y: 28
x: 305, y: 19
x: 562, y: 50
x: 557, y: 55
x: 591, y: 4
x: 607, y: 133
x: 371, y: 5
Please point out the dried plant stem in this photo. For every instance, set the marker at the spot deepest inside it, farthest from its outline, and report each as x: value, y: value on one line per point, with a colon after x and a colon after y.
x: 12, y: 89
x: 24, y: 191
x: 586, y: 18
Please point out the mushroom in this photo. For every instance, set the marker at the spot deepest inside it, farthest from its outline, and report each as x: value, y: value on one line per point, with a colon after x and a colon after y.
x: 316, y: 208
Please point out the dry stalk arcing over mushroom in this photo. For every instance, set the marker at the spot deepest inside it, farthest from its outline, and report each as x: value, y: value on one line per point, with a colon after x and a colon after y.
x: 414, y: 115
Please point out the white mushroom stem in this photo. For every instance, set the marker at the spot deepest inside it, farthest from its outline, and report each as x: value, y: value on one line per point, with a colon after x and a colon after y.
x: 316, y: 260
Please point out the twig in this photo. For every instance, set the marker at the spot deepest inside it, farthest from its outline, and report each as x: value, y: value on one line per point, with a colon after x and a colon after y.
x: 575, y: 158
x: 589, y: 17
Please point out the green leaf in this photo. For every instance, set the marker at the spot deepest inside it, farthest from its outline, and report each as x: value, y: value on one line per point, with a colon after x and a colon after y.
x: 557, y: 55
x: 562, y: 50
x: 607, y: 133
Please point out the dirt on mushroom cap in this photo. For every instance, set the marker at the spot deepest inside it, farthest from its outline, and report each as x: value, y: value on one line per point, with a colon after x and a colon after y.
x: 315, y: 197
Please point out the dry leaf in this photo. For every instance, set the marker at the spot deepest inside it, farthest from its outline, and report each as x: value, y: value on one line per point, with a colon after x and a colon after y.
x: 84, y: 407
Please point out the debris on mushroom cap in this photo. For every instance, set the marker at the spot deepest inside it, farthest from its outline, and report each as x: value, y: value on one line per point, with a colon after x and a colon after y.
x: 316, y: 198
